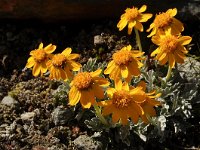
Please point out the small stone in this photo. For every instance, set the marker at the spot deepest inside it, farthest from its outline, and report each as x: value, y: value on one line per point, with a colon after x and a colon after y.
x: 85, y: 142
x: 9, y: 101
x: 28, y: 115
x: 98, y: 40
x: 61, y: 115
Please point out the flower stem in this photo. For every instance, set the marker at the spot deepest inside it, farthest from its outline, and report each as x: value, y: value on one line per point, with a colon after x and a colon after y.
x: 169, y: 72
x: 138, y: 39
x: 98, y: 113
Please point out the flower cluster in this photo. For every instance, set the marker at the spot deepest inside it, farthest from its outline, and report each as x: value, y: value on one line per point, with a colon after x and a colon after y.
x: 59, y: 65
x: 123, y: 101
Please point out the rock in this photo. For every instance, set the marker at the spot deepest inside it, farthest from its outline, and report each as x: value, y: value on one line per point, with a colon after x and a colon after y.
x: 85, y: 142
x: 28, y: 115
x: 9, y: 101
x: 61, y: 115
x: 98, y: 40
x: 190, y: 70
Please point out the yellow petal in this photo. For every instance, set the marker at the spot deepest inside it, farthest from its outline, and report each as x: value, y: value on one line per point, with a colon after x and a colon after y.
x: 138, y: 95
x: 36, y: 70
x: 139, y: 26
x: 130, y: 27
x: 148, y: 109
x: 40, y: 46
x: 50, y: 48
x: 122, y: 23
x: 101, y: 81
x: 74, y: 96
x: 143, y: 85
x: 124, y: 118
x: 67, y: 51
x: 124, y: 71
x: 30, y: 63
x: 155, y: 52
x: 68, y: 72
x: 171, y: 60
x: 151, y: 26
x: 184, y: 40
x: 161, y: 57
x: 137, y: 108
x: 133, y: 68
x: 153, y: 32
x: 96, y: 73
x: 87, y: 99
x: 73, y: 56
x: 125, y: 86
x: 145, y: 17
x: 110, y: 92
x: 156, y: 40
x: 153, y: 102
x: 110, y: 67
x: 98, y: 91
x: 178, y: 24
x: 164, y: 60
x: 129, y: 47
x: 172, y: 12
x: 118, y: 85
x: 74, y: 65
x: 142, y: 9
x: 107, y: 110
x: 115, y: 117
x: 116, y: 73
x: 134, y: 116
x: 43, y: 67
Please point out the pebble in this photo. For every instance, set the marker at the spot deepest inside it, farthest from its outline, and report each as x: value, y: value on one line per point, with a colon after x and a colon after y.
x: 9, y: 101
x: 28, y: 115
x: 84, y: 142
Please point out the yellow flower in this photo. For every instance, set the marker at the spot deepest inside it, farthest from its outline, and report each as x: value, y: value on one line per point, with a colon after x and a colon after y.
x: 39, y: 58
x: 125, y: 63
x: 165, y: 22
x: 149, y: 104
x: 133, y: 18
x: 85, y: 87
x: 61, y: 65
x: 124, y: 103
x: 171, y: 48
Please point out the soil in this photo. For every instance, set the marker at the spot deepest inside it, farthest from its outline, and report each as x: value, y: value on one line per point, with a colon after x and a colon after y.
x: 96, y: 39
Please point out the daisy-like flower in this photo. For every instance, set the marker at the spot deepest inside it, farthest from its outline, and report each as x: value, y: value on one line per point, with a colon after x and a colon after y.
x: 85, y: 87
x: 133, y: 18
x: 171, y: 48
x: 149, y: 104
x: 124, y: 103
x: 61, y: 65
x: 125, y: 63
x: 39, y: 58
x: 165, y: 22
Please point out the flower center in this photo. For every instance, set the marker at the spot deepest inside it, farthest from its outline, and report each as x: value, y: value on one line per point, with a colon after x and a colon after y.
x: 59, y: 60
x: 162, y: 20
x: 132, y: 13
x: 39, y: 55
x: 121, y: 99
x: 83, y: 80
x: 169, y: 43
x: 122, y: 57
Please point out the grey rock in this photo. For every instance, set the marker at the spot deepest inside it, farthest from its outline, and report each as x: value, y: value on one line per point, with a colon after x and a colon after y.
x: 85, y: 142
x: 61, y: 115
x: 28, y: 116
x: 98, y: 40
x: 8, y: 100
x: 190, y: 70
